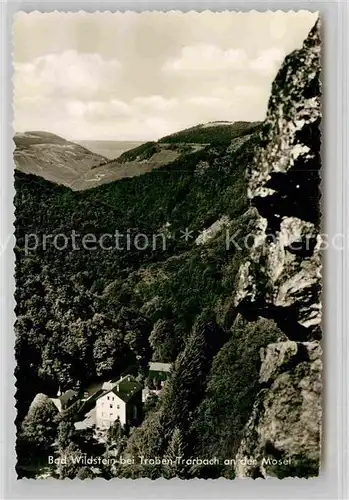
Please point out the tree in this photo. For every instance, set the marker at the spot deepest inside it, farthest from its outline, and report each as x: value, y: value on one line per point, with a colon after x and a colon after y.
x: 162, y: 340
x: 107, y: 351
x: 232, y: 388
x: 148, y: 439
x: 85, y: 473
x: 66, y: 431
x: 186, y: 386
x: 174, y: 455
x: 85, y: 314
x: 114, y: 434
x: 150, y: 403
x: 39, y: 428
x: 69, y: 464
x: 137, y: 330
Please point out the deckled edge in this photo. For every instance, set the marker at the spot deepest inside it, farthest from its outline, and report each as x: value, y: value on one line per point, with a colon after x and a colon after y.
x: 117, y: 13
x: 343, y: 176
x: 164, y: 12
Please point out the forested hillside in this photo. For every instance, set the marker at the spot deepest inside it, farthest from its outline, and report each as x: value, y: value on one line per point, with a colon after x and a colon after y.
x: 213, y: 132
x: 86, y: 314
x: 238, y: 319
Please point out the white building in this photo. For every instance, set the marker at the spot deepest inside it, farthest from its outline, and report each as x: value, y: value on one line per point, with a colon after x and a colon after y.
x: 121, y: 400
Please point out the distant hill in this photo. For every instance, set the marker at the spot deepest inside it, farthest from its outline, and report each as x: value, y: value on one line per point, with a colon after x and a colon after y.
x: 64, y: 162
x: 151, y: 155
x: 212, y: 132
x: 192, y: 139
x: 52, y: 157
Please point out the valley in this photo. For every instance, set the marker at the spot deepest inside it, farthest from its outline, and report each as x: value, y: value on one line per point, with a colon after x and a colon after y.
x: 233, y: 330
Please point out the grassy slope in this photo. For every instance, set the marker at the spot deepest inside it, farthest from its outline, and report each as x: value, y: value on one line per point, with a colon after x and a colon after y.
x: 52, y: 157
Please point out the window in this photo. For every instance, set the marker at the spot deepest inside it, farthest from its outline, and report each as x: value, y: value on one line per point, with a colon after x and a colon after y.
x: 107, y: 397
x: 111, y: 406
x: 112, y: 398
x: 118, y: 407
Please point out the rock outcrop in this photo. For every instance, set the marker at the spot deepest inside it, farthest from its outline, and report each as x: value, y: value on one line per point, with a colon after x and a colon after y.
x: 282, y: 277
x: 282, y: 437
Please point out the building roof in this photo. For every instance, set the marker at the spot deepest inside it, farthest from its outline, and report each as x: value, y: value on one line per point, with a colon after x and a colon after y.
x: 109, y: 384
x: 57, y: 402
x: 88, y: 421
x: 125, y: 388
x: 67, y: 396
x: 159, y: 367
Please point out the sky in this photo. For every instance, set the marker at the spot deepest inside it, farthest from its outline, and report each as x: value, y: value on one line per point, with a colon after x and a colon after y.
x: 131, y: 76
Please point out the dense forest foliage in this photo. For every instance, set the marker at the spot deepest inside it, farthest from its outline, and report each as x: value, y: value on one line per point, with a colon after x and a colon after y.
x: 212, y: 133
x: 92, y: 313
x: 220, y: 134
x: 140, y: 153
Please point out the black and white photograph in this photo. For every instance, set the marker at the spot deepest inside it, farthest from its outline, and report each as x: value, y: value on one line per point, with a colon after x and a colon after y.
x: 168, y: 263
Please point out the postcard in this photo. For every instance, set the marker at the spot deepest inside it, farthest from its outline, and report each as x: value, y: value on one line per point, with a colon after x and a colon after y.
x: 168, y: 246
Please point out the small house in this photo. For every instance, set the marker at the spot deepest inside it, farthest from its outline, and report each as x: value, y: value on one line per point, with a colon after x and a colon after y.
x: 157, y: 375
x: 120, y: 400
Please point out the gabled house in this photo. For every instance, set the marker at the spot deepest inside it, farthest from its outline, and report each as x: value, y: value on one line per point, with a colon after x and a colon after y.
x: 158, y: 373
x: 159, y: 370
x: 63, y: 401
x: 121, y: 399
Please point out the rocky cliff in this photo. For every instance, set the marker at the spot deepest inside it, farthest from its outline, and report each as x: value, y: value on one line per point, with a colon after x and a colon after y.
x: 281, y: 278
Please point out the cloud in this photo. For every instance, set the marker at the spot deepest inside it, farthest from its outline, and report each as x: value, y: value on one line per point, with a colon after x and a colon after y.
x: 157, y: 127
x: 66, y: 88
x: 278, y: 25
x: 233, y: 103
x: 68, y: 73
x: 140, y: 107
x: 143, y: 117
x: 142, y: 76
x: 155, y: 102
x: 206, y: 101
x: 112, y: 108
x: 268, y: 61
x: 206, y: 57
x: 75, y: 108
